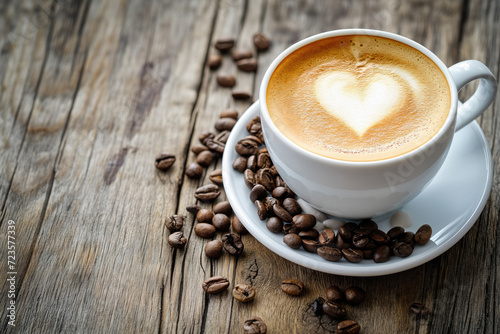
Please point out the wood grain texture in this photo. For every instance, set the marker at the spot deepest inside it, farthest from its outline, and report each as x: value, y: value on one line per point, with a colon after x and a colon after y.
x: 92, y: 90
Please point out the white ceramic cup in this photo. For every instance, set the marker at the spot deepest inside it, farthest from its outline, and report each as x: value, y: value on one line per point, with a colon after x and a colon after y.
x: 355, y: 190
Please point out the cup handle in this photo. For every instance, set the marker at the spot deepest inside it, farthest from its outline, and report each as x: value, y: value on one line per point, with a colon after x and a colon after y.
x: 465, y: 72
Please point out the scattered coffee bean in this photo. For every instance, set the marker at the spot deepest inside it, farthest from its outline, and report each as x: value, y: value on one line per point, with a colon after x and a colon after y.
x: 291, y: 205
x: 317, y: 306
x: 289, y: 227
x: 204, y: 230
x: 334, y: 294
x: 204, y: 216
x: 348, y: 327
x: 239, y: 54
x: 292, y: 287
x: 423, y: 235
x: 223, y: 207
x: 395, y: 232
x: 221, y: 222
x: 198, y: 148
x: 264, y: 160
x: 241, y: 95
x: 261, y: 42
x: 265, y: 177
x: 208, y: 192
x: 361, y: 239
x: 402, y: 249
x: 249, y: 177
x: 252, y: 163
x: 225, y: 124
x: 310, y: 245
x: 247, y: 147
x: 304, y: 221
x: 216, y: 177
x: 205, y: 158
x: 327, y: 237
x: 224, y: 44
x: 240, y: 164
x: 254, y: 126
x: 310, y: 234
x: 269, y: 202
x: 258, y: 192
x: 216, y: 146
x: 354, y: 295
x: 352, y: 255
x: 214, y: 61
x: 292, y: 240
x: 381, y: 254
x: 231, y: 113
x: 368, y: 224
x: 261, y: 210
x: 334, y: 310
x: 232, y: 244
x: 194, y: 170
x: 238, y: 227
x: 341, y: 244
x: 213, y: 249
x: 164, y: 161
x: 244, y: 293
x: 216, y: 284
x: 408, y: 238
x: 330, y: 253
x: 379, y: 237
x: 275, y: 225
x: 247, y: 65
x: 281, y: 213
x: 222, y: 136
x: 174, y: 223
x: 193, y: 209
x: 177, y: 240
x: 282, y: 193
x: 206, y: 136
x: 419, y: 309
x: 226, y: 80
x: 255, y: 325
x: 345, y: 232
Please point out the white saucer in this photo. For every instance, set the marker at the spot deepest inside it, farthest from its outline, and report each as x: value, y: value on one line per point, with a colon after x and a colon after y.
x: 451, y: 204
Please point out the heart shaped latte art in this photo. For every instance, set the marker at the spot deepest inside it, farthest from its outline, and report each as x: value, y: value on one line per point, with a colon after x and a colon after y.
x: 359, y: 105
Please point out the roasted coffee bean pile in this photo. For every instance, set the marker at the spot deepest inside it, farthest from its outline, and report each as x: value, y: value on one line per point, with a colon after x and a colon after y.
x: 277, y: 205
x: 243, y: 58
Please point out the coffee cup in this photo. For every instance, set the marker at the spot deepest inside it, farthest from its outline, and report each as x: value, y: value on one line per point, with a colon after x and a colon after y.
x: 358, y: 122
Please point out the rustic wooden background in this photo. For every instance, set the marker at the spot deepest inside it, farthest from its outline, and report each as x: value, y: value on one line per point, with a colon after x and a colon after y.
x: 92, y: 90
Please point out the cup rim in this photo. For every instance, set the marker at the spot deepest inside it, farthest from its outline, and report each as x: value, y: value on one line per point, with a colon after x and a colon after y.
x: 450, y: 119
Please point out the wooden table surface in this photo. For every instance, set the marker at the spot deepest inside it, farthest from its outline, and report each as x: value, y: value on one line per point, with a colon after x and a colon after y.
x: 92, y: 90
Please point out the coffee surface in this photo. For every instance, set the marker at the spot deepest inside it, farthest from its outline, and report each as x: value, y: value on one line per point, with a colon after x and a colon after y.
x: 358, y: 98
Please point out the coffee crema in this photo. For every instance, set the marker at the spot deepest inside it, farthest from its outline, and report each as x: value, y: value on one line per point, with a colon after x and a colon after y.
x: 358, y: 98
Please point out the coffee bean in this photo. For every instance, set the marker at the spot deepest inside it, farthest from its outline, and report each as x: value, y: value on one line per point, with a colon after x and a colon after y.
x: 367, y: 254
x: 346, y: 233
x: 423, y: 235
x: 206, y: 136
x: 214, y: 61
x: 240, y: 95
x: 348, y: 327
x: 275, y: 225
x: 281, y: 213
x: 222, y: 137
x: 226, y: 80
x: 177, y: 240
x: 264, y: 160
x: 221, y: 222
x: 310, y: 245
x: 395, y: 232
x: 238, y: 227
x: 330, y: 253
x: 204, y: 230
x: 292, y: 240
x: 216, y: 177
x: 291, y: 205
x: 252, y: 163
x: 240, y: 164
x: 225, y: 124
x: 255, y: 325
x: 232, y: 244
x: 164, y: 161
x: 247, y: 65
x: 261, y: 210
x: 304, y: 221
x: 198, y: 148
x: 244, y: 293
x: 317, y: 306
x: 327, y: 237
x: 216, y: 146
x: 194, y: 170
x: 352, y: 255
x: 213, y: 249
x: 289, y: 227
x: 239, y: 54
x: 381, y: 254
x: 261, y: 42
x: 334, y: 310
x: 402, y: 249
x: 205, y: 216
x: 223, y: 207
x: 407, y: 237
x: 379, y: 237
x: 269, y: 202
x: 354, y: 295
x: 216, y: 284
x: 292, y: 287
x: 360, y: 240
x: 334, y: 294
x: 224, y: 44
x: 341, y: 244
x: 368, y: 224
x: 205, y: 158
x: 193, y: 209
x: 208, y: 192
x: 258, y: 192
x: 232, y: 113
x: 419, y: 309
x: 174, y: 223
x: 283, y: 193
x: 311, y: 234
x: 249, y: 178
x: 265, y: 177
x: 256, y: 139
x: 246, y: 147
x: 254, y: 126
